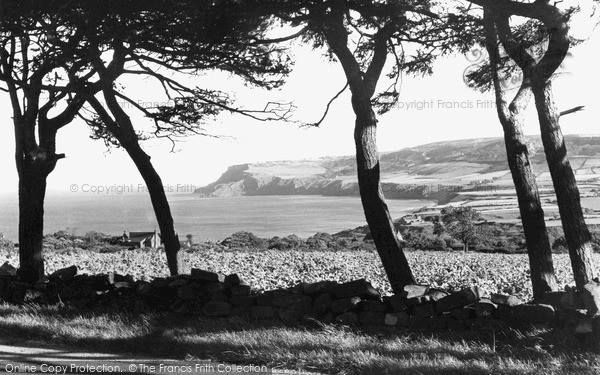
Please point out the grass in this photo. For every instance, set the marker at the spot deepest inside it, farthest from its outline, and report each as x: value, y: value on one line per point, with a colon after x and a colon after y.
x: 327, y: 349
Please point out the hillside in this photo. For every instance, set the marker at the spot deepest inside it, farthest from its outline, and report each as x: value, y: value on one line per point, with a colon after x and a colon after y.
x: 440, y: 171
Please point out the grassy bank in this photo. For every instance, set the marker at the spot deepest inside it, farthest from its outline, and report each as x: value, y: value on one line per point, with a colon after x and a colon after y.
x: 318, y: 348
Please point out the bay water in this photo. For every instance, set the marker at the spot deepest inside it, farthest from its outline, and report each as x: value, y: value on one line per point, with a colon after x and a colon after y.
x: 205, y: 218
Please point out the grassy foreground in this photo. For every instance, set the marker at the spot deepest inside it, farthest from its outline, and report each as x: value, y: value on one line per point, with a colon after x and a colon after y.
x: 317, y: 348
x: 328, y: 349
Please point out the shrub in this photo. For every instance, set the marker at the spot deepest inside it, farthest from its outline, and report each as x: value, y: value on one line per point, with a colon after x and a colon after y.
x: 63, y: 234
x: 420, y: 240
x: 6, y: 245
x: 554, y: 233
x: 243, y: 240
x: 440, y: 244
x: 285, y: 243
x: 451, y: 242
x: 322, y: 241
x: 560, y: 245
x: 501, y: 242
x: 93, y: 238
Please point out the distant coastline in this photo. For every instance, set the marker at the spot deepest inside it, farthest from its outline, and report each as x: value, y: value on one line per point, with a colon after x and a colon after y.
x: 205, y: 219
x: 446, y: 172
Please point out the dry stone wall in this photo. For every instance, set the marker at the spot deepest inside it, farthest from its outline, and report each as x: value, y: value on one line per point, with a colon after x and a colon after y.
x: 352, y: 303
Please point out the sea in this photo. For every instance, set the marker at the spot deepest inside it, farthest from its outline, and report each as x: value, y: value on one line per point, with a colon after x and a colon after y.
x: 206, y: 219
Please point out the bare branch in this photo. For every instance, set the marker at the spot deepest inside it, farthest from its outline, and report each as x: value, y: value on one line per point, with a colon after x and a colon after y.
x: 282, y: 39
x: 318, y: 123
x: 572, y: 110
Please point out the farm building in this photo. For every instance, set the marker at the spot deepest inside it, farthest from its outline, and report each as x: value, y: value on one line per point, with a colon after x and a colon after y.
x: 410, y: 219
x: 141, y: 239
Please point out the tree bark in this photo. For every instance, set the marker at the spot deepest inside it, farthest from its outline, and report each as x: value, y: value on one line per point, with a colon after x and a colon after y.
x: 32, y: 191
x: 540, y: 72
x: 376, y: 210
x: 122, y: 129
x: 577, y: 235
x: 362, y: 86
x: 543, y: 277
x: 161, y: 207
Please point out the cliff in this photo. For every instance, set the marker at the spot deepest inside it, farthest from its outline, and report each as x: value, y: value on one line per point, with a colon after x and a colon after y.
x: 437, y: 171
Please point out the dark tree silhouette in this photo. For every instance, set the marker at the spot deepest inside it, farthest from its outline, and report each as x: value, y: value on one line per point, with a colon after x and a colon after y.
x: 28, y: 67
x: 58, y: 49
x: 539, y: 73
x: 362, y: 36
x: 362, y: 86
x: 159, y: 43
x: 510, y: 114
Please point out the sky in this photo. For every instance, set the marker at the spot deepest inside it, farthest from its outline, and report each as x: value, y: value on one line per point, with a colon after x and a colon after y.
x: 432, y: 108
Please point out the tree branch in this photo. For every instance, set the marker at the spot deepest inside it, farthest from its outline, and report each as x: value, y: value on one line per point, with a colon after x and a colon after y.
x: 492, y: 46
x: 380, y: 53
x: 318, y: 123
x: 282, y: 39
x: 572, y: 110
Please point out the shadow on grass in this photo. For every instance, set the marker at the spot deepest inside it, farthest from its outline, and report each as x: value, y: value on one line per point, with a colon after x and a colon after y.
x: 323, y: 348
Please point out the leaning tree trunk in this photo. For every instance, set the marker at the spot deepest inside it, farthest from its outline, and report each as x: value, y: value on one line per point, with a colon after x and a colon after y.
x: 362, y: 85
x: 161, y: 206
x: 376, y: 210
x: 576, y: 231
x: 123, y: 130
x: 32, y: 191
x: 543, y: 277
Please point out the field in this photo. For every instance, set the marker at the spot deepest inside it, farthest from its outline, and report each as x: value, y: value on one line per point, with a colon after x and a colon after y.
x: 270, y: 269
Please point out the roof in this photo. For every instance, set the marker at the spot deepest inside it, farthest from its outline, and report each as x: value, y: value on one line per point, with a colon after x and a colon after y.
x: 140, y: 236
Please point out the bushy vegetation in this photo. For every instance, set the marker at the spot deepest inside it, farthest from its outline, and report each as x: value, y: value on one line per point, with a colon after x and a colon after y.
x: 347, y: 240
x: 64, y: 241
x: 502, y: 238
x: 462, y: 223
x: 243, y: 240
x: 6, y: 245
x: 5, y: 242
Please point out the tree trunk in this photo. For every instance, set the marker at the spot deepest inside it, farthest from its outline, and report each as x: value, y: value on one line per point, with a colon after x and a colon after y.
x: 362, y: 85
x: 161, y: 207
x: 123, y: 130
x: 543, y: 278
x: 376, y: 211
x: 576, y: 231
x: 542, y: 274
x: 32, y: 191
